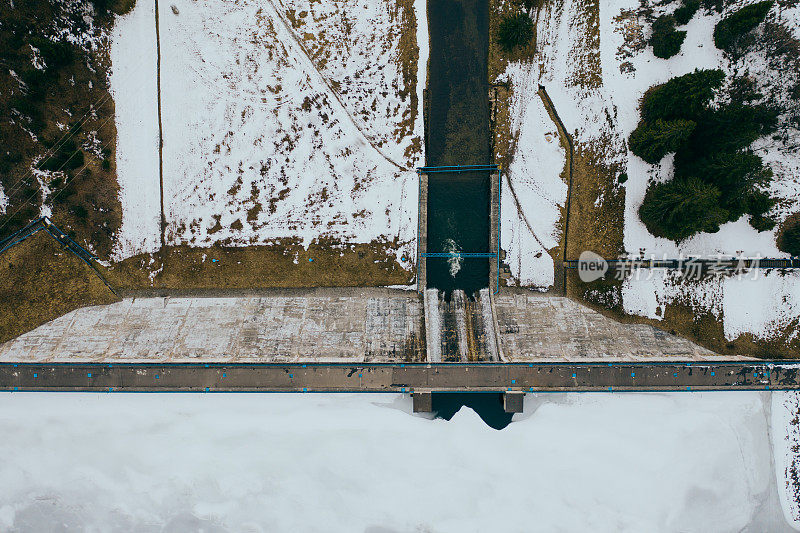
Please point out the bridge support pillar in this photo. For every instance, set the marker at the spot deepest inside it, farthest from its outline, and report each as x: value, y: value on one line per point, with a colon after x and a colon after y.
x: 513, y: 401
x: 422, y: 402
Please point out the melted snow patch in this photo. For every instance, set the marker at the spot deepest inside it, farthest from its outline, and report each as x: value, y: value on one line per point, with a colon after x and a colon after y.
x: 3, y: 200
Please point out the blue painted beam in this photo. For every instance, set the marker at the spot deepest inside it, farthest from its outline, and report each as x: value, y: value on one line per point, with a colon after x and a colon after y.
x: 460, y: 254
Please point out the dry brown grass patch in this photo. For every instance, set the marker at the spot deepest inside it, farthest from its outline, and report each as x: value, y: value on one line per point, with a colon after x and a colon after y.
x: 281, y: 264
x: 41, y: 282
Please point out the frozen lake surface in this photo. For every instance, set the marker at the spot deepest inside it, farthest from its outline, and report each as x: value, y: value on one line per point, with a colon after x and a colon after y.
x: 325, y: 462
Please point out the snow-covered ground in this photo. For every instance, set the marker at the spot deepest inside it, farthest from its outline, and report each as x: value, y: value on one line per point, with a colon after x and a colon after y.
x: 625, y: 91
x: 249, y: 462
x: 785, y: 432
x: 281, y: 120
x: 134, y: 89
x: 763, y: 305
x: 530, y: 213
x: 596, y: 86
x: 562, y: 65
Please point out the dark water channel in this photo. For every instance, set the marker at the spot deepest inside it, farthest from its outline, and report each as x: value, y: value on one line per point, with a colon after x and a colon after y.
x: 458, y: 134
x: 488, y: 405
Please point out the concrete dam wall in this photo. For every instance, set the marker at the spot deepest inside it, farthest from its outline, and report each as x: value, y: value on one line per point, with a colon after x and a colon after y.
x: 370, y: 325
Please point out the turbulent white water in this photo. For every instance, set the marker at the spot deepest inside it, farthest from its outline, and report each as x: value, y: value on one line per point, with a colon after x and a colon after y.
x: 361, y: 462
x: 451, y: 247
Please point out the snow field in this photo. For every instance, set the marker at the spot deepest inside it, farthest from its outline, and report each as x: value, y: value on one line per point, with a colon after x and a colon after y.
x: 257, y: 147
x: 762, y: 304
x: 605, y: 110
x: 134, y: 89
x: 317, y: 462
x: 281, y: 120
x: 535, y: 175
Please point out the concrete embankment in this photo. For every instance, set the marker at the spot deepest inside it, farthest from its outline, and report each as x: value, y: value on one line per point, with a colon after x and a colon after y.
x: 460, y: 330
x: 346, y: 325
x: 282, y: 325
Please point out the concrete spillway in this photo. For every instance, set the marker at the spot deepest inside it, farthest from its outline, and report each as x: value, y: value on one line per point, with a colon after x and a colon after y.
x: 433, y: 326
x: 462, y: 329
x: 460, y: 313
x: 490, y: 325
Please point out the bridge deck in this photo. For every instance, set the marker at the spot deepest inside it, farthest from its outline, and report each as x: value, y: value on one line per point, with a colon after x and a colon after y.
x: 341, y: 377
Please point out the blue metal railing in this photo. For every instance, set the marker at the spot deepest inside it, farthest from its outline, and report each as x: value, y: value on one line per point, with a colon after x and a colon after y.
x: 467, y: 255
x: 457, y: 168
x: 19, y: 236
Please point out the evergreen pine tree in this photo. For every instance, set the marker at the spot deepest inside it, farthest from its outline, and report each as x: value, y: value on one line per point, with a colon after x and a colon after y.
x: 666, y: 40
x: 679, y: 209
x: 758, y: 204
x: 789, y: 241
x: 686, y: 11
x: 734, y: 173
x: 685, y: 97
x: 729, y: 30
x: 735, y: 126
x: 653, y: 141
x: 515, y: 31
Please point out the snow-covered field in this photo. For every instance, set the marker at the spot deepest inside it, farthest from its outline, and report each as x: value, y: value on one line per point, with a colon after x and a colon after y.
x: 698, y: 51
x: 562, y: 64
x: 786, y: 443
x: 249, y: 462
x: 280, y: 119
x: 530, y: 214
x: 763, y: 305
x: 134, y: 89
x: 596, y: 86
